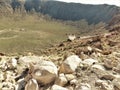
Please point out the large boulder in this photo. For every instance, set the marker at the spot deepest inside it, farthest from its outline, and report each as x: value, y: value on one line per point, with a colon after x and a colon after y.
x: 48, y: 66
x: 39, y: 63
x: 45, y: 72
x: 24, y: 62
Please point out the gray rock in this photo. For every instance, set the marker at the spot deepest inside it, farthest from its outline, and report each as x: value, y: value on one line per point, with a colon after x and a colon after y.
x: 98, y: 67
x: 21, y: 84
x: 109, y: 64
x: 117, y: 69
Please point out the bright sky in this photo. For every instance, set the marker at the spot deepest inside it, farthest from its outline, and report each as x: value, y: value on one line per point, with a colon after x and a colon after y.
x: 111, y: 2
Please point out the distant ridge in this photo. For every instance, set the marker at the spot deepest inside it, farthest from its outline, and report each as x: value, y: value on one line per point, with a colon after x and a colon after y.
x: 77, y: 11
x: 64, y: 11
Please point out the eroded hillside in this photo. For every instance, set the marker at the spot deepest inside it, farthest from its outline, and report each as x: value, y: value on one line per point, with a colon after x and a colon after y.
x: 89, y: 62
x: 60, y: 10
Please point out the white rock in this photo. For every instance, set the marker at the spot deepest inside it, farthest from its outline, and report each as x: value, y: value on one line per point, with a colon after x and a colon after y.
x: 74, y: 82
x: 29, y: 59
x: 70, y: 76
x: 71, y: 37
x: 117, y: 69
x: 3, y: 65
x: 14, y: 62
x: 99, y: 82
x: 9, y: 76
x: 116, y: 82
x: 49, y: 66
x: 1, y: 77
x: 117, y: 54
x: 89, y: 48
x: 70, y: 88
x: 104, y: 85
x: 83, y: 86
x: 62, y: 81
x: 56, y: 87
x: 70, y: 64
x: 5, y: 88
x: 8, y: 85
x: 0, y: 85
x: 89, y: 61
x: 73, y: 61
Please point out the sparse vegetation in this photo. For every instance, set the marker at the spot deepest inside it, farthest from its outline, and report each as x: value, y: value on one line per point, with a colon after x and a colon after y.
x: 30, y: 33
x: 23, y: 30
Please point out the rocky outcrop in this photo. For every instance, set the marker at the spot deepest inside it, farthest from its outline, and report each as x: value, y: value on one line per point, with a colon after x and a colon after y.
x: 42, y: 74
x: 90, y: 67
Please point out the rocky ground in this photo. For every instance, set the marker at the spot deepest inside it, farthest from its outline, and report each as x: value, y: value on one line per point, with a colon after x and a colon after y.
x: 82, y: 63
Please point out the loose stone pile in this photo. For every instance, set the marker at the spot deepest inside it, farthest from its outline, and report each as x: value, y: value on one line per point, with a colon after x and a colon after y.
x: 91, y: 63
x: 35, y: 73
